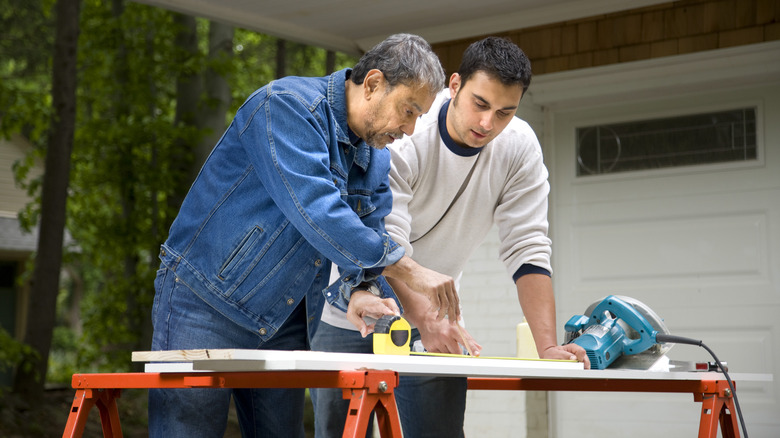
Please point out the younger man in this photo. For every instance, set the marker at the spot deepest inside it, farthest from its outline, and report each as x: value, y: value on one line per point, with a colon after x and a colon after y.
x: 469, y: 164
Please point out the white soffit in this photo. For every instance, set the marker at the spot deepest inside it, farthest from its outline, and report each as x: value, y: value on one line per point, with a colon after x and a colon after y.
x: 354, y: 26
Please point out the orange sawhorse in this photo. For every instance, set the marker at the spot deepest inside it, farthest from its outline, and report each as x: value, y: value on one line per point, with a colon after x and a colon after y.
x: 368, y: 390
x: 715, y: 395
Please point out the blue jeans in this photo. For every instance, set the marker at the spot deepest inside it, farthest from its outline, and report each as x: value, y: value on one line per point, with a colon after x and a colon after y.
x: 183, y: 321
x: 428, y: 406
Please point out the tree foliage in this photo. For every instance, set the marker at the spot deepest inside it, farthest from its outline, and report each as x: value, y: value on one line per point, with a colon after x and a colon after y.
x: 131, y: 155
x: 25, y: 84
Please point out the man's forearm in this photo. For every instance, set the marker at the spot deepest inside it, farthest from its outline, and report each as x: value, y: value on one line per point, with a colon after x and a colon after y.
x: 438, y: 288
x: 535, y: 293
x: 402, y: 269
x: 415, y: 305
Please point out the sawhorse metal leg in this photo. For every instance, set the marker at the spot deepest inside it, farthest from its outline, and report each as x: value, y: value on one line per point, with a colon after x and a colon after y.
x: 369, y: 390
x: 717, y: 409
x: 715, y: 395
x: 85, y: 399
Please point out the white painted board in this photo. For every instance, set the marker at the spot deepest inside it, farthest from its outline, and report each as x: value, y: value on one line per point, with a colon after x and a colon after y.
x: 233, y: 360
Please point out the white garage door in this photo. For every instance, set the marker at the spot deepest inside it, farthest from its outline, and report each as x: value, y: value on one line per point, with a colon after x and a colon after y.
x: 699, y: 244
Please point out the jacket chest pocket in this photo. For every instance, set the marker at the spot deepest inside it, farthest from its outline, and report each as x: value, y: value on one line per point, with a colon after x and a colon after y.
x: 360, y: 204
x: 357, y: 197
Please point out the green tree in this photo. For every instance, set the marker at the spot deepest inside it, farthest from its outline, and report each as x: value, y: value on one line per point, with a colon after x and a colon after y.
x: 133, y: 155
x: 38, y: 332
x: 156, y: 91
x: 25, y: 102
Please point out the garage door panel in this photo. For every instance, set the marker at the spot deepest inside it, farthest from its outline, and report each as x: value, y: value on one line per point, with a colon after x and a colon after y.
x: 673, y: 247
x: 721, y: 246
x: 742, y: 335
x: 593, y: 415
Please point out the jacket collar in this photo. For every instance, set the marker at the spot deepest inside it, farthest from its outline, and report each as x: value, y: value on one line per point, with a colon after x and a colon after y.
x: 337, y: 98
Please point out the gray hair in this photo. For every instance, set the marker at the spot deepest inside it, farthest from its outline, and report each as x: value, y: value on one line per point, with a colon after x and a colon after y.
x: 404, y: 59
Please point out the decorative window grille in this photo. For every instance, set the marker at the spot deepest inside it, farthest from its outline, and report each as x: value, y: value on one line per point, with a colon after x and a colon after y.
x: 717, y: 137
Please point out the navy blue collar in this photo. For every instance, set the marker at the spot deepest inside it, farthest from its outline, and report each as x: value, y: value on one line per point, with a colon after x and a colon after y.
x: 447, y: 139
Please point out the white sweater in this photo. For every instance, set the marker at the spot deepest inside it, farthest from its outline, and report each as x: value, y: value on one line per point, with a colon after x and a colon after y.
x: 508, y: 187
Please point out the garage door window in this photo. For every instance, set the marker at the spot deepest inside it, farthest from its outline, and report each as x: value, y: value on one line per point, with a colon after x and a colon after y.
x: 716, y: 137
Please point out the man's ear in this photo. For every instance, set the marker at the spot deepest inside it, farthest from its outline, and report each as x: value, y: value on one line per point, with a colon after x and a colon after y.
x: 454, y: 85
x: 373, y: 82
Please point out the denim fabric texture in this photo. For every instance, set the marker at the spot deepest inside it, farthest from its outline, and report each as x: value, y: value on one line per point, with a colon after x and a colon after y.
x: 181, y: 322
x: 286, y: 190
x: 429, y: 407
x: 282, y: 194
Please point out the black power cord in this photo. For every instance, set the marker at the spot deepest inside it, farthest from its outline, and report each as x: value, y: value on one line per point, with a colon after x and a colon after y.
x: 671, y: 339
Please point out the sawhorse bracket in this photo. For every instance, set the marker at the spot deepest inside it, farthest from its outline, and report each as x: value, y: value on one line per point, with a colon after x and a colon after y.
x: 377, y: 396
x: 717, y: 409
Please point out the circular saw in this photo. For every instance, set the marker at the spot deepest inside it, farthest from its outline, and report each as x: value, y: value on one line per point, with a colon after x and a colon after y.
x: 617, y: 327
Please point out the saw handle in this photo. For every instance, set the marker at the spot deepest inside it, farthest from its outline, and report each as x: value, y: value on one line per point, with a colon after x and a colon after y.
x: 633, y: 318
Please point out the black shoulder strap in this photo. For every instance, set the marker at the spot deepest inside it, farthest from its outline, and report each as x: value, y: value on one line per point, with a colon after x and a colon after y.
x: 457, y: 195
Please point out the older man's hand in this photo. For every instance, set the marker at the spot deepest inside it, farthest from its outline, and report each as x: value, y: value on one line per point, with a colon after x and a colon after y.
x: 363, y: 303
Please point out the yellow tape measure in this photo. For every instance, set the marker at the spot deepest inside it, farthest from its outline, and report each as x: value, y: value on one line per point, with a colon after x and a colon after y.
x: 392, y: 335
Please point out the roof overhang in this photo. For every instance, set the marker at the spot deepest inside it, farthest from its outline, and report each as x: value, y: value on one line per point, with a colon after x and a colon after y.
x: 354, y: 26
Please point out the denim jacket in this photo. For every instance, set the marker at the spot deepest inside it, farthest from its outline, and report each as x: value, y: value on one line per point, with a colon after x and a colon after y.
x: 287, y: 189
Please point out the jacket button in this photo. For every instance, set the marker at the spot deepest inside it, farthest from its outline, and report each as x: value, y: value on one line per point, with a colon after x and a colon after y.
x: 263, y: 331
x: 317, y: 262
x: 162, y: 252
x: 290, y: 301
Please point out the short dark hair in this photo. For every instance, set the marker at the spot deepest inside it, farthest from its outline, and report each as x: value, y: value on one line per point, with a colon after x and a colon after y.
x: 499, y: 58
x: 404, y: 59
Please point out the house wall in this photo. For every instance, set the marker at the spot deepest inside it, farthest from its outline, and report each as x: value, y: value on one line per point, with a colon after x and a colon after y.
x: 15, y: 245
x: 674, y: 28
x: 12, y: 197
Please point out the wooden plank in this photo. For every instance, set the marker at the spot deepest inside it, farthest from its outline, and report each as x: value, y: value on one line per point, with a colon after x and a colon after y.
x: 182, y: 355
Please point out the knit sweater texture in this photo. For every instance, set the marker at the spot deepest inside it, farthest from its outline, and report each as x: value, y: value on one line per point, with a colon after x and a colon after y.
x: 508, y: 188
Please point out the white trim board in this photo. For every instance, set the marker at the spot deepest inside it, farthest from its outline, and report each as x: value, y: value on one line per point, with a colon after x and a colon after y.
x: 235, y: 360
x: 278, y: 360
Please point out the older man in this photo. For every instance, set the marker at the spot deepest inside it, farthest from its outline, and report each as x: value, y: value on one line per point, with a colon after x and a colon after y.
x: 299, y: 179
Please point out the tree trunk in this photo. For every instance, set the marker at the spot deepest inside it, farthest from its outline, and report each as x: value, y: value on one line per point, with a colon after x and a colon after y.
x: 330, y: 62
x: 144, y: 341
x: 212, y: 115
x: 187, y: 96
x: 29, y: 381
x: 281, y: 58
